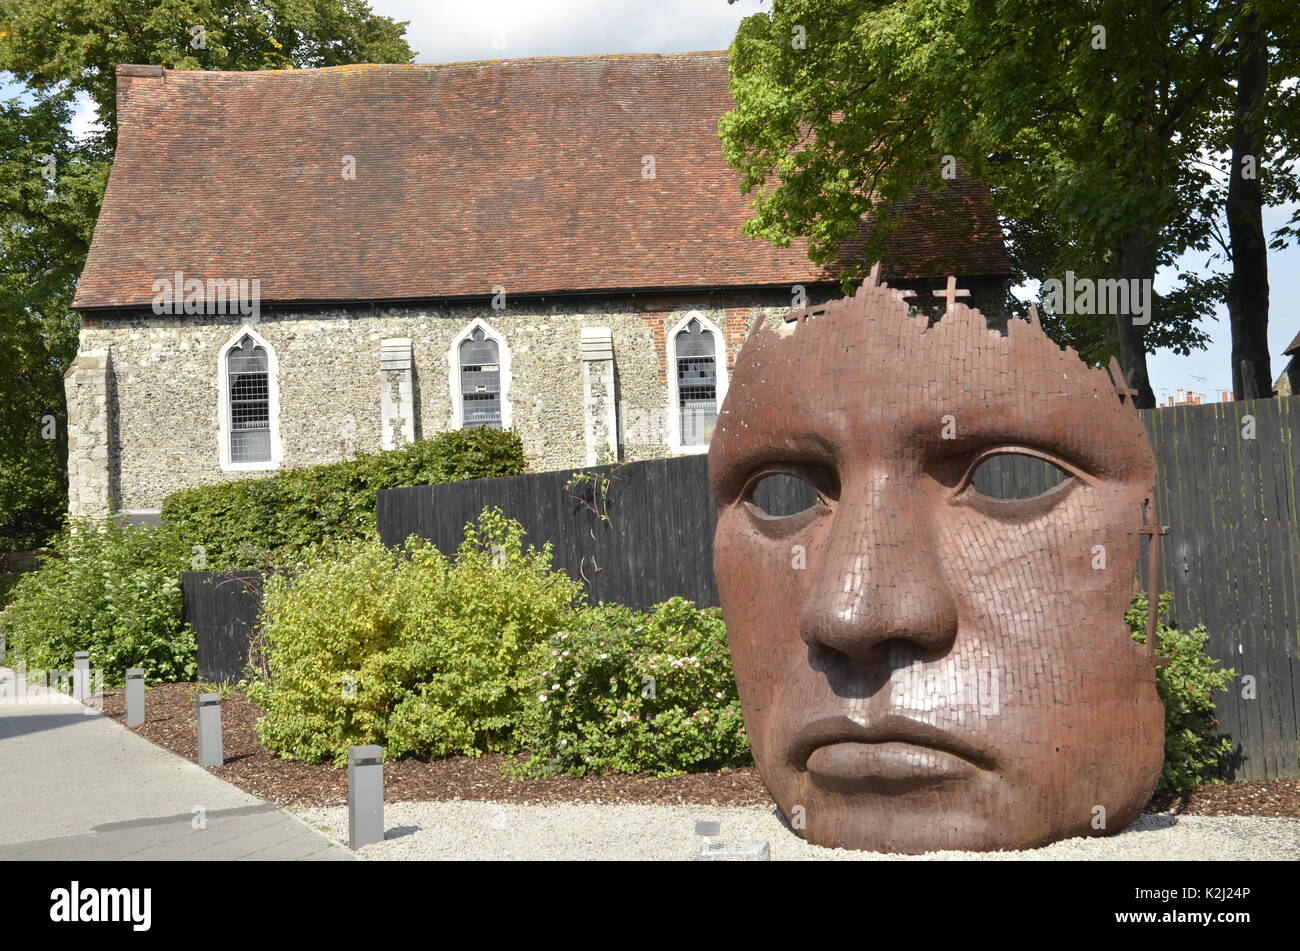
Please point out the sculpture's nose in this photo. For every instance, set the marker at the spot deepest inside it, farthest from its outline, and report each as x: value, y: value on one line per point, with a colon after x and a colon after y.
x: 879, y: 578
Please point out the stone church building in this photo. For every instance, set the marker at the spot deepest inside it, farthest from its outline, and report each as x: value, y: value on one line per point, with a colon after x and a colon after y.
x: 293, y: 266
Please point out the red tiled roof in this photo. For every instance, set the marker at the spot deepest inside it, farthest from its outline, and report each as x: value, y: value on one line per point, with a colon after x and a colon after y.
x: 524, y: 173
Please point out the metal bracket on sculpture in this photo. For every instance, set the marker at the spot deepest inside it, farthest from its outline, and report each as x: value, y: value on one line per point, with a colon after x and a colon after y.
x: 1153, y: 530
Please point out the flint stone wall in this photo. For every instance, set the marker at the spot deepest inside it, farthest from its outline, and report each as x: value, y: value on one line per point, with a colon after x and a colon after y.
x: 162, y: 390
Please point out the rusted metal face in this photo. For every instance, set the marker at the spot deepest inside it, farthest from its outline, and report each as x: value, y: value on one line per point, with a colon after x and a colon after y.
x: 923, y: 666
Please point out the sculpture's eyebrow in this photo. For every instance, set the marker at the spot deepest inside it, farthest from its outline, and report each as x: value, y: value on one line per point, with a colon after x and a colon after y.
x: 1085, y: 435
x: 744, y: 449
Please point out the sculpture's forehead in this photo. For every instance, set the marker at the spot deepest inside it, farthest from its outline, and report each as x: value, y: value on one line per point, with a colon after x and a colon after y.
x: 869, y: 374
x: 957, y: 358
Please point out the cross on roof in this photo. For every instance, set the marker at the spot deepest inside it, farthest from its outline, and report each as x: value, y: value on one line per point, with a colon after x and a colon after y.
x: 951, y: 293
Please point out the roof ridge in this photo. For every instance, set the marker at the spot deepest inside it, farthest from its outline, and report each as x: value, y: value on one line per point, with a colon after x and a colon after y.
x: 143, y: 69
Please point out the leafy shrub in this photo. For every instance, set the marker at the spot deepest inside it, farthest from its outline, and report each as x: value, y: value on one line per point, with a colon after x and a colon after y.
x: 259, y: 522
x: 110, y: 589
x: 1193, y: 751
x: 623, y: 691
x: 421, y: 653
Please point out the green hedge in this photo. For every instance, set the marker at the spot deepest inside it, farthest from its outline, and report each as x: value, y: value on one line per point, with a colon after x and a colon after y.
x: 1194, y: 749
x: 626, y: 691
x: 265, y: 522
x: 418, y: 652
x: 110, y: 589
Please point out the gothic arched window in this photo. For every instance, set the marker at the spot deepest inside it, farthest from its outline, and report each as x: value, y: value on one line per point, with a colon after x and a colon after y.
x: 696, y: 369
x: 248, y: 375
x: 480, y: 381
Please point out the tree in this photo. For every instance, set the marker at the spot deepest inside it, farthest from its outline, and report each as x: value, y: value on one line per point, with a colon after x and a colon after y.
x: 51, y: 184
x: 1263, y: 134
x: 1083, y: 117
x: 38, y: 337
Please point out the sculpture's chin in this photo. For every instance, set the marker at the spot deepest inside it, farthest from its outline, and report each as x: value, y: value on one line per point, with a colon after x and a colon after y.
x: 985, y: 813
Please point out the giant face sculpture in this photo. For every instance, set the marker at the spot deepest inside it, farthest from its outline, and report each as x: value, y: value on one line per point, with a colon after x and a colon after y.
x: 921, y: 665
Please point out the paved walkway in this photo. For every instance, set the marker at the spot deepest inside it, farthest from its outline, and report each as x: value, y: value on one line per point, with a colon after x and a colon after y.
x: 79, y: 786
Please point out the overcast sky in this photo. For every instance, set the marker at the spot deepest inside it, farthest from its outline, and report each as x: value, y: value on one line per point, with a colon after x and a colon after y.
x: 443, y: 31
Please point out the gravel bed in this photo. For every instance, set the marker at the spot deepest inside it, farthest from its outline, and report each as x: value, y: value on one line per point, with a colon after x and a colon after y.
x: 635, y: 832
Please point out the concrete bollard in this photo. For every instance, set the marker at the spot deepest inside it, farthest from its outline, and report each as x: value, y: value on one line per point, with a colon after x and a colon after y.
x: 80, y: 675
x: 365, y: 795
x: 209, y: 708
x: 135, y: 696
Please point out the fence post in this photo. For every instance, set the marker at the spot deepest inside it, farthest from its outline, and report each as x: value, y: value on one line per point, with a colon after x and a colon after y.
x: 80, y: 675
x: 209, y: 708
x: 365, y: 795
x: 135, y: 696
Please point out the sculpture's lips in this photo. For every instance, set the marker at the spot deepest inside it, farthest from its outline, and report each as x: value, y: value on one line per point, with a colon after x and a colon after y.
x: 890, y: 747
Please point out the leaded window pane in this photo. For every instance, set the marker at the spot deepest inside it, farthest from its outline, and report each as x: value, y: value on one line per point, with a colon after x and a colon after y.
x: 697, y: 384
x: 248, y: 372
x: 480, y: 381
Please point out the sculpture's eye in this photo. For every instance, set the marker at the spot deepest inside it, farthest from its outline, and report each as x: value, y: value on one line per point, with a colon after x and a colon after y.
x: 788, y: 493
x: 1014, y: 483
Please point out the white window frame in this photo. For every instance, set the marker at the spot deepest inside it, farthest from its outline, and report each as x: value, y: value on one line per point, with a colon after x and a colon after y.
x: 223, y: 404
x: 720, y: 358
x: 453, y: 372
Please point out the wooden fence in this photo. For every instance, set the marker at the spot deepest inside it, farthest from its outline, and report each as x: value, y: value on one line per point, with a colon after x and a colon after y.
x: 643, y: 532
x: 223, y: 608
x: 1228, y: 493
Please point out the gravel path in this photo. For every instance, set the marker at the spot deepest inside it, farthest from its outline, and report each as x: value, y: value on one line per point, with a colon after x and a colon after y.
x: 485, y: 830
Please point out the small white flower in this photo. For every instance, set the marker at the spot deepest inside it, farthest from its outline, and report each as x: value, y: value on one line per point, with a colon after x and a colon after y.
x: 541, y: 698
x: 555, y: 686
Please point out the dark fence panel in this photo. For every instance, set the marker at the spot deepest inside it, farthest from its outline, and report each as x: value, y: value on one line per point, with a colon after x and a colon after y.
x: 223, y: 608
x: 1231, y: 558
x: 637, y: 534
x: 1228, y: 493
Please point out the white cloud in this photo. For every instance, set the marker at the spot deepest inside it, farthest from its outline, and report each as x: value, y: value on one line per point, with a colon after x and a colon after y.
x: 445, y: 32
x: 86, y: 116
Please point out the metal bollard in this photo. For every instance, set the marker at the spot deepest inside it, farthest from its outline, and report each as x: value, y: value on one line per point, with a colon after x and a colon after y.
x: 365, y: 795
x: 80, y: 675
x: 209, y: 706
x: 135, y: 696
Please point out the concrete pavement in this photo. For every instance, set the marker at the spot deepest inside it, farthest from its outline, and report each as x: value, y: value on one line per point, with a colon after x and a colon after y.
x: 82, y: 787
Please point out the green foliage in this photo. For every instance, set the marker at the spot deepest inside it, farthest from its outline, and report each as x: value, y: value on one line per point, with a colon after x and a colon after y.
x: 624, y: 691
x: 1193, y: 751
x: 39, y: 261
x: 112, y: 590
x: 422, y: 654
x: 262, y: 522
x: 1095, y: 146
